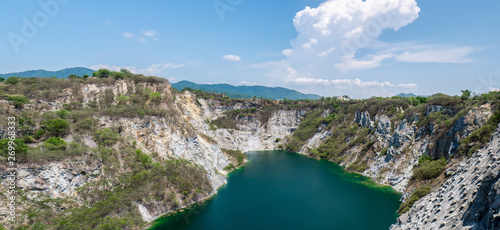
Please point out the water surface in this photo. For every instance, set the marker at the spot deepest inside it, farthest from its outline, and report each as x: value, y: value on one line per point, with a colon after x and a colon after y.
x: 283, y: 190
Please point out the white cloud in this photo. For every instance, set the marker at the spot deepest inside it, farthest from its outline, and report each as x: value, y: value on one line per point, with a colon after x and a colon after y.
x: 351, y: 63
x: 101, y: 66
x: 287, y: 52
x: 326, y: 52
x: 338, y: 28
x: 231, y: 57
x: 149, y: 33
x: 145, y: 36
x: 438, y: 55
x: 129, y: 35
x: 156, y: 69
x: 246, y: 83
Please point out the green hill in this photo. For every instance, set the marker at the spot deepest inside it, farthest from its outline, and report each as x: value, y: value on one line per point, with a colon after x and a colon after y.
x: 246, y: 92
x: 64, y: 73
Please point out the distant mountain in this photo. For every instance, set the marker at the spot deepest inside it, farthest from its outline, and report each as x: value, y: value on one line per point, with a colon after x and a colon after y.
x: 406, y: 95
x: 411, y: 95
x: 274, y: 93
x: 64, y: 73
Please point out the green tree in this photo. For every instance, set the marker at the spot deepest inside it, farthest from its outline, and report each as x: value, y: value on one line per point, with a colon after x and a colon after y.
x: 85, y: 76
x: 465, y: 94
x: 56, y: 127
x: 73, y: 76
x: 21, y: 148
x: 106, y: 137
x: 422, y: 100
x: 2, y: 79
x: 118, y: 75
x: 102, y: 73
x: 126, y: 72
x: 13, y: 80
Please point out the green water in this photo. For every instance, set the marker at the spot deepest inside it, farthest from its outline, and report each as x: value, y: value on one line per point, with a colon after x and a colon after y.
x: 282, y: 190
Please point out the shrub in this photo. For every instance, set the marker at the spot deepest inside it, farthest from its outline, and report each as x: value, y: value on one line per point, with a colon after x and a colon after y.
x: 20, y: 147
x: 123, y: 99
x: 54, y: 143
x: 56, y: 127
x: 63, y: 113
x: 229, y: 168
x: 236, y: 155
x: 85, y: 125
x: 155, y: 97
x: 429, y: 169
x: 417, y: 194
x: 224, y: 122
x: 18, y: 100
x: 145, y: 159
x: 106, y: 137
x: 13, y: 80
x: 118, y: 75
x: 102, y: 73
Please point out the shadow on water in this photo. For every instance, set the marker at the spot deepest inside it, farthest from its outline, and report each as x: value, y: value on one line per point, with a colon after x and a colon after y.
x: 283, y: 190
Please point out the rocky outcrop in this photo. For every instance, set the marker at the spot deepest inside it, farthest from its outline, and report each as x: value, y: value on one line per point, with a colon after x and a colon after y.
x: 469, y: 199
x: 251, y: 135
x: 363, y: 119
x: 383, y: 126
x: 158, y: 135
x: 55, y: 180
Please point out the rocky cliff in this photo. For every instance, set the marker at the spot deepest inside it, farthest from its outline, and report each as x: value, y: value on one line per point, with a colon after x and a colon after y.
x: 176, y: 129
x: 469, y: 199
x: 138, y: 143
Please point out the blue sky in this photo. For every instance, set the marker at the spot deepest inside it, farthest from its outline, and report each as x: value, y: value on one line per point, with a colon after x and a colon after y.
x: 336, y: 47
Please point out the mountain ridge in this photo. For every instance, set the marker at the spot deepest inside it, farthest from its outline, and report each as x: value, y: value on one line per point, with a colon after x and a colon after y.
x: 247, y: 92
x: 63, y: 73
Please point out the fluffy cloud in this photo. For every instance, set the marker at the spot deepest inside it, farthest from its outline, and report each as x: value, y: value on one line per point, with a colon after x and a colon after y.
x: 145, y: 36
x: 149, y: 33
x: 246, y: 83
x: 231, y: 57
x: 101, y: 66
x: 338, y: 28
x: 153, y: 70
x: 157, y: 69
x: 129, y: 35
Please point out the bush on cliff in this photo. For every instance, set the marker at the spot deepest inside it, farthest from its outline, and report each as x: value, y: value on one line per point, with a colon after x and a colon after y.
x: 417, y: 194
x: 56, y: 127
x: 429, y: 169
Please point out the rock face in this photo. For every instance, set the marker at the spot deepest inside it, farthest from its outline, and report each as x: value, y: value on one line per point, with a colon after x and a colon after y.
x: 406, y: 144
x: 251, y: 135
x: 469, y: 199
x: 363, y: 119
x: 57, y: 180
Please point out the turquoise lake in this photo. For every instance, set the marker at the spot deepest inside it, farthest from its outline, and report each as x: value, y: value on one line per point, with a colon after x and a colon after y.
x: 283, y: 190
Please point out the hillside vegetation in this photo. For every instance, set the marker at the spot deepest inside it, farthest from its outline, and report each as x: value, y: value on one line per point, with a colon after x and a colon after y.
x: 405, y: 142
x: 128, y: 174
